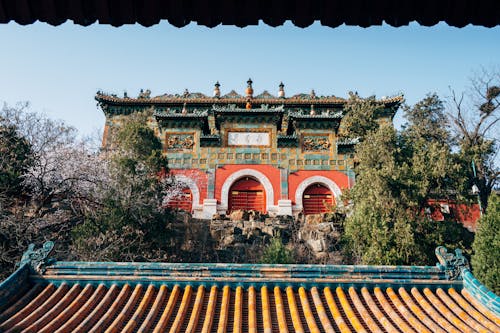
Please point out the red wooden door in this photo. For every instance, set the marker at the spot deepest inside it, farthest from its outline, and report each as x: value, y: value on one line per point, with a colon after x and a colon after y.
x: 183, y: 201
x: 317, y: 199
x: 247, y: 194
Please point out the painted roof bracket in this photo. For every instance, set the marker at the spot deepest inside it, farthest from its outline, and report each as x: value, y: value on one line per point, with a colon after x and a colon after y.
x: 451, y: 264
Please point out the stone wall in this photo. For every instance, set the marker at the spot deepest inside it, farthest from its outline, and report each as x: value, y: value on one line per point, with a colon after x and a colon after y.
x: 313, y: 239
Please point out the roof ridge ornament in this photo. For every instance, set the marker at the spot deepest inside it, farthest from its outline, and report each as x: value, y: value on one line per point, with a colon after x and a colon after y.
x: 144, y: 93
x: 249, y: 90
x: 281, y: 91
x: 451, y: 264
x: 39, y: 258
x: 217, y: 90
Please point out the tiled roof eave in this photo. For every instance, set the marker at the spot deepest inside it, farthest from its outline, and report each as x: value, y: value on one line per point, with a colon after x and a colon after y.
x: 246, y: 274
x: 333, y: 101
x: 316, y: 117
x: 247, y: 271
x: 333, y: 13
x: 121, y: 279
x: 248, y: 111
x: 180, y: 115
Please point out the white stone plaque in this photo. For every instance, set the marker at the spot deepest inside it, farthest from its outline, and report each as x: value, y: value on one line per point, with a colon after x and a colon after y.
x: 248, y: 139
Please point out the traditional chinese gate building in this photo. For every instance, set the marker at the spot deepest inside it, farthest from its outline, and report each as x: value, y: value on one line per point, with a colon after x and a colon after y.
x: 275, y: 154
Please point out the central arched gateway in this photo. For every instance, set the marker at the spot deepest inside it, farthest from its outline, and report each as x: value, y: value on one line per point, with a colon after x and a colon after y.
x: 247, y: 193
x: 250, y: 174
x: 317, y: 198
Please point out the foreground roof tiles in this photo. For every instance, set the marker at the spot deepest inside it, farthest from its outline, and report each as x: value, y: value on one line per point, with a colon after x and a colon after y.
x: 152, y: 297
x: 146, y: 308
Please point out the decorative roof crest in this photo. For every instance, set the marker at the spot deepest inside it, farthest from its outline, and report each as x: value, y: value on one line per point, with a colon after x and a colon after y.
x: 265, y: 95
x: 232, y: 94
x: 234, y: 107
x: 39, y: 258
x: 145, y: 94
x: 451, y: 263
x: 301, y: 96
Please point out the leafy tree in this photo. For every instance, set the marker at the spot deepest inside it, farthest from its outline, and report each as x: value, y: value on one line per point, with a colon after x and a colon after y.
x: 378, y: 230
x: 277, y: 253
x: 396, y: 176
x: 486, y: 246
x: 63, y: 169
x: 130, y: 223
x: 432, y: 170
x: 360, y: 116
x: 15, y: 160
x: 50, y: 178
x: 476, y: 118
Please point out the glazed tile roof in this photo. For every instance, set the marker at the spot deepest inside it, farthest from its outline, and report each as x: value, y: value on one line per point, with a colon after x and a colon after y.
x: 151, y: 297
x: 199, y: 98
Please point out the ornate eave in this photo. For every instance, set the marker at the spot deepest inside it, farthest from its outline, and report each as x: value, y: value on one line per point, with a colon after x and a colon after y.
x: 274, y: 13
x: 203, y: 100
x: 210, y: 140
x: 288, y: 140
x: 316, y: 121
x: 189, y: 120
x: 234, y: 114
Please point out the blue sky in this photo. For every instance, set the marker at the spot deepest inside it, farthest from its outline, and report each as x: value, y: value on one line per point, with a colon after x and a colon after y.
x: 59, y: 69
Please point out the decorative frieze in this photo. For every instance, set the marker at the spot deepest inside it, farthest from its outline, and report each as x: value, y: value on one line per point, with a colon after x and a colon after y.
x: 179, y: 141
x: 316, y: 143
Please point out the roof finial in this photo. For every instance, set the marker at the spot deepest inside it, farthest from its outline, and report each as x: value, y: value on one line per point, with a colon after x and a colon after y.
x: 216, y: 89
x: 249, y: 90
x: 281, y: 92
x: 313, y: 94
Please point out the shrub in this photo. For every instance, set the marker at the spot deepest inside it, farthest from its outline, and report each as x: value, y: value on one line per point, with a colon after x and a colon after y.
x: 277, y: 253
x: 486, y: 247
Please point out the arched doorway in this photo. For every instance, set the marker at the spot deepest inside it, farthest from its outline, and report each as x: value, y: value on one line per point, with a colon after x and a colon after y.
x: 183, y: 201
x: 247, y: 193
x: 317, y: 199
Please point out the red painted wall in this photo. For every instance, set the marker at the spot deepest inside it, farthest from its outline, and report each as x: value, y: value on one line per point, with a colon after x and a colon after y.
x: 465, y: 214
x: 272, y: 173
x: 200, y: 178
x: 295, y: 178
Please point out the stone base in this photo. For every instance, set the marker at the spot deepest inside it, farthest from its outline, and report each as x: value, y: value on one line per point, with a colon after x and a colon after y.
x: 284, y: 207
x: 209, y: 208
x: 198, y: 212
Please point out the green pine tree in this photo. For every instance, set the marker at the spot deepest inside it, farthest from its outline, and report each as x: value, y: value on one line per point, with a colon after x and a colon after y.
x: 397, y: 174
x: 486, y: 246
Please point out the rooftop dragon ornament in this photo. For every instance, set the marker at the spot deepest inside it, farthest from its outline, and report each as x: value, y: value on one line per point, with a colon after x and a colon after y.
x: 37, y: 259
x: 451, y: 263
